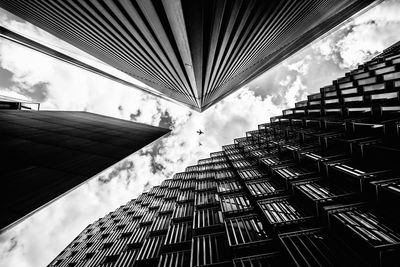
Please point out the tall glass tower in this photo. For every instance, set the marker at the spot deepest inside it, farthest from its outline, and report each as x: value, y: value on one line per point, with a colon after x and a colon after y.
x: 45, y: 154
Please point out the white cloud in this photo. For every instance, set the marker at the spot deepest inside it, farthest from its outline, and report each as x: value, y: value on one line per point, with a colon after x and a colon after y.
x: 302, y: 66
x: 363, y: 37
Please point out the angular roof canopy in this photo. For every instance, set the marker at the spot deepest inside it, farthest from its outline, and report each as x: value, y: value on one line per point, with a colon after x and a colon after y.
x: 195, y: 52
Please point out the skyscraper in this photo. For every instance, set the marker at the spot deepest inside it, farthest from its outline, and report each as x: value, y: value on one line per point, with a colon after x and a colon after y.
x: 48, y: 153
x: 317, y: 186
x: 7, y: 102
x: 195, y: 52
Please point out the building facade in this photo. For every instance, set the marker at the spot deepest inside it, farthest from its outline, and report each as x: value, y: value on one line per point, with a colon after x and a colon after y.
x: 195, y: 52
x: 12, y: 103
x: 48, y: 153
x: 317, y: 186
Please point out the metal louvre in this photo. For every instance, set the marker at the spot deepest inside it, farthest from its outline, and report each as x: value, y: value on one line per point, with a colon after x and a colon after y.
x: 189, y: 184
x: 250, y: 174
x: 151, y: 248
x: 138, y: 235
x: 175, y: 259
x: 161, y: 223
x: 183, y: 211
x: 206, y: 175
x: 224, y: 175
x: 186, y: 196
x: 206, y: 198
x: 209, y: 249
x: 148, y: 216
x: 266, y: 260
x: 126, y: 258
x: 243, y: 230
x: 179, y: 233
x: 368, y: 227
x: 262, y: 188
x: 227, y: 186
x: 235, y: 203
x: 167, y: 206
x: 205, y: 185
x: 207, y: 217
x: 280, y: 210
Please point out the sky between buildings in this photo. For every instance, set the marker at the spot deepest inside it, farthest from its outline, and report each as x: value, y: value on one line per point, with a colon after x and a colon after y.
x: 59, y: 86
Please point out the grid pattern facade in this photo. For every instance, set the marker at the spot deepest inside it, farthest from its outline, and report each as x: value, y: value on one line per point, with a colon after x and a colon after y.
x: 317, y: 186
x: 195, y: 52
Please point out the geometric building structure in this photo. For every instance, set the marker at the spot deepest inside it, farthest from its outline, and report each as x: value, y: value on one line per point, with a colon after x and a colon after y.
x: 194, y: 52
x: 46, y: 154
x: 7, y: 102
x: 316, y: 186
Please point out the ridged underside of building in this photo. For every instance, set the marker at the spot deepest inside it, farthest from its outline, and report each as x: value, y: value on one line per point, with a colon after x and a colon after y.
x: 317, y: 186
x: 195, y: 52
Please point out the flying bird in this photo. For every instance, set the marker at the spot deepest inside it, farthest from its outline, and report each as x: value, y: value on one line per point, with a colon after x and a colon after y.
x: 200, y: 132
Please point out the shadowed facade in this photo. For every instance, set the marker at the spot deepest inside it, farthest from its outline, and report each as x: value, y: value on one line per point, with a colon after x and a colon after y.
x: 48, y: 153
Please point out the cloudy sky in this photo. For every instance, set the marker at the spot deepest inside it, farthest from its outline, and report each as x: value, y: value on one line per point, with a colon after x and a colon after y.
x: 59, y: 86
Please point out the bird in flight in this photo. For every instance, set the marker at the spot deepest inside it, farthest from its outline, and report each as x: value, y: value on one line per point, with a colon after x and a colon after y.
x: 200, y: 132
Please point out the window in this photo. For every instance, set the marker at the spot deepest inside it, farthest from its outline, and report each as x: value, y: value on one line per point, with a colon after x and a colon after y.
x: 205, y: 161
x: 207, y: 217
x: 217, y: 154
x: 205, y: 167
x: 139, y: 212
x: 347, y: 169
x: 160, y: 192
x: 167, y: 206
x: 171, y: 193
x: 228, y: 186
x: 259, y: 260
x: 179, y: 233
x: 220, y: 166
x: 368, y: 226
x: 206, y: 198
x: 271, y: 161
x: 186, y: 196
x: 126, y: 258
x: 138, y: 235
x: 161, y: 223
x: 236, y: 157
x: 148, y: 216
x: 151, y: 248
x: 244, y: 230
x: 250, y: 174
x: 210, y: 249
x: 189, y: 184
x: 206, y: 175
x: 155, y: 203
x: 235, y: 203
x: 193, y: 168
x: 280, y: 210
x: 183, y: 211
x: 259, y: 153
x: 224, y: 174
x: 175, y: 259
x: 290, y: 172
x: 241, y: 164
x: 262, y: 188
x: 219, y: 159
x: 206, y: 185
